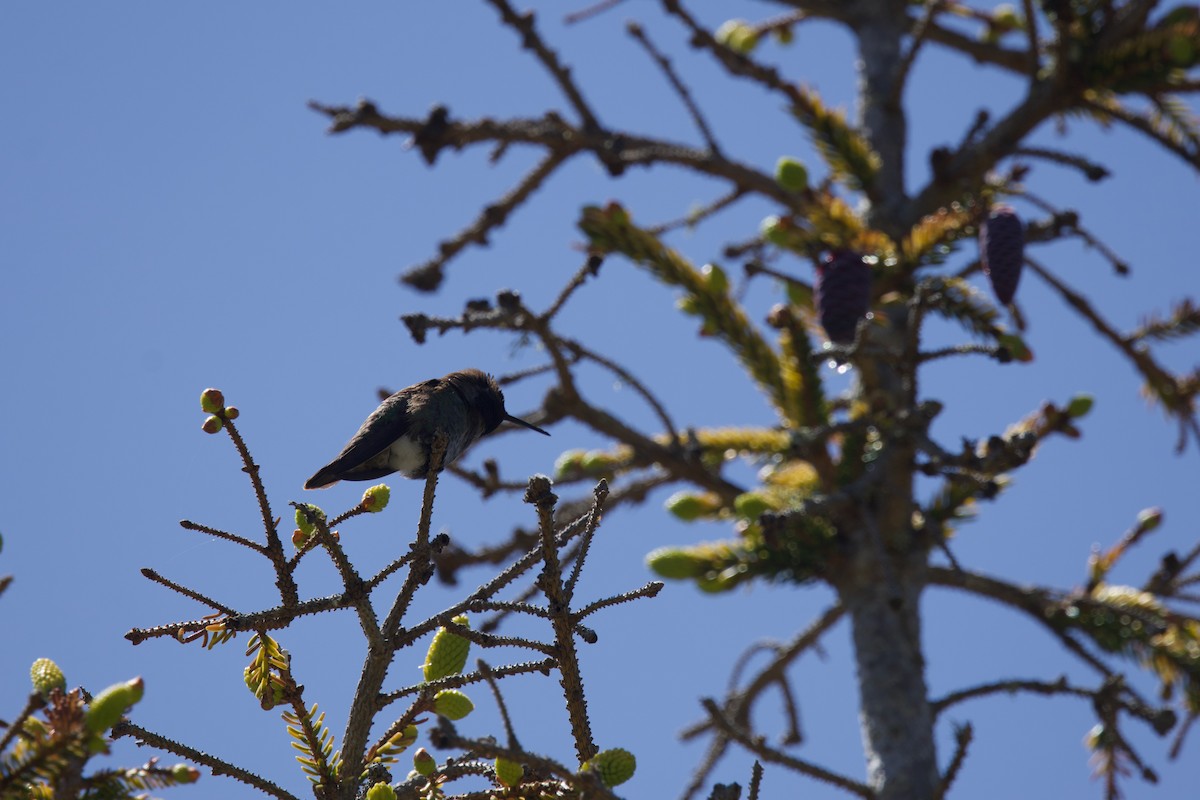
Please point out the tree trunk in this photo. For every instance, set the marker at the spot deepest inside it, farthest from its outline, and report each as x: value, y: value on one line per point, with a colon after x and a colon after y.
x: 897, y: 727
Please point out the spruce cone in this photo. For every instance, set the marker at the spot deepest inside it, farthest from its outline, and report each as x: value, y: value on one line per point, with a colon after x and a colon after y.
x: 842, y: 293
x: 1002, y: 251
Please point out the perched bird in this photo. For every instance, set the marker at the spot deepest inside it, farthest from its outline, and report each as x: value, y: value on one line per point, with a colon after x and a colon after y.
x: 398, y: 436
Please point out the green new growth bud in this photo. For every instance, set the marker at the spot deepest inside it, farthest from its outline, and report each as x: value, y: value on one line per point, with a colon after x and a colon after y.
x: 47, y: 677
x: 232, y: 412
x: 447, y: 653
x: 452, y: 704
x: 717, y: 582
x: 1181, y: 50
x: 424, y: 763
x: 614, y: 766
x: 716, y: 278
x: 212, y: 425
x: 1149, y: 519
x: 737, y: 35
x: 1177, y: 15
x: 568, y: 464
x: 687, y: 506
x: 306, y: 527
x: 509, y: 773
x: 381, y: 791
x: 799, y: 294
x: 791, y: 174
x: 184, y: 773
x: 1080, y: 405
x: 407, y: 737
x: 35, y: 728
x: 376, y: 498
x: 783, y: 34
x: 616, y: 213
x: 211, y: 401
x: 268, y: 693
x: 676, y: 563
x: 1006, y: 18
x: 107, y: 707
x: 688, y: 304
x: 772, y: 229
x: 1016, y: 347
x: 596, y: 462
x: 751, y: 505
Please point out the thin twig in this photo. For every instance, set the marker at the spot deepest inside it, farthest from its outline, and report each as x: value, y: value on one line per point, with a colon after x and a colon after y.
x: 651, y: 589
x: 739, y: 702
x: 627, y: 377
x: 274, y: 548
x: 1120, y: 266
x: 963, y: 734
x: 1091, y: 170
x: 1142, y: 125
x: 428, y: 276
x: 187, y: 524
x: 490, y: 677
x: 590, y: 11
x: 698, y: 215
x: 919, y: 34
x: 1177, y: 743
x: 756, y: 776
x: 1162, y: 382
x: 1031, y: 32
x: 590, y: 269
x: 467, y: 678
x: 217, y: 765
x: 530, y: 40
x: 1035, y: 686
x: 959, y: 350
x: 767, y: 76
x: 764, y: 751
x: 636, y: 31
x: 387, y: 571
x: 712, y: 757
x: 621, y: 148
x: 599, y: 496
x: 1032, y: 601
x: 186, y: 592
x: 32, y: 704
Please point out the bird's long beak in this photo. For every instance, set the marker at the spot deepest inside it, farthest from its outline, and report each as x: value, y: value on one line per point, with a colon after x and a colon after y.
x: 525, y: 424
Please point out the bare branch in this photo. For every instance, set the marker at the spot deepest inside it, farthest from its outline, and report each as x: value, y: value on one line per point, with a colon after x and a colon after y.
x: 530, y: 40
x: 217, y: 765
x: 759, y: 747
x: 428, y: 276
x: 636, y: 31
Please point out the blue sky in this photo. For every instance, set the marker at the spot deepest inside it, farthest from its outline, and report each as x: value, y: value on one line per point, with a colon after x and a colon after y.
x: 173, y: 217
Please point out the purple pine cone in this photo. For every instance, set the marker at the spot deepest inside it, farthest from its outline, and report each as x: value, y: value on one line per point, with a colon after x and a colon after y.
x: 842, y: 293
x: 1002, y: 251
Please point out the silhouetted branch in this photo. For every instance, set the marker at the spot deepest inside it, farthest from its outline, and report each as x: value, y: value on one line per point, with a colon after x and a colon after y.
x: 217, y: 765
x: 760, y: 748
x: 639, y: 34
x: 428, y: 276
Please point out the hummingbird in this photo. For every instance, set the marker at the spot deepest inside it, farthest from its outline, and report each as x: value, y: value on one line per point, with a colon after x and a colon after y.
x: 398, y: 435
